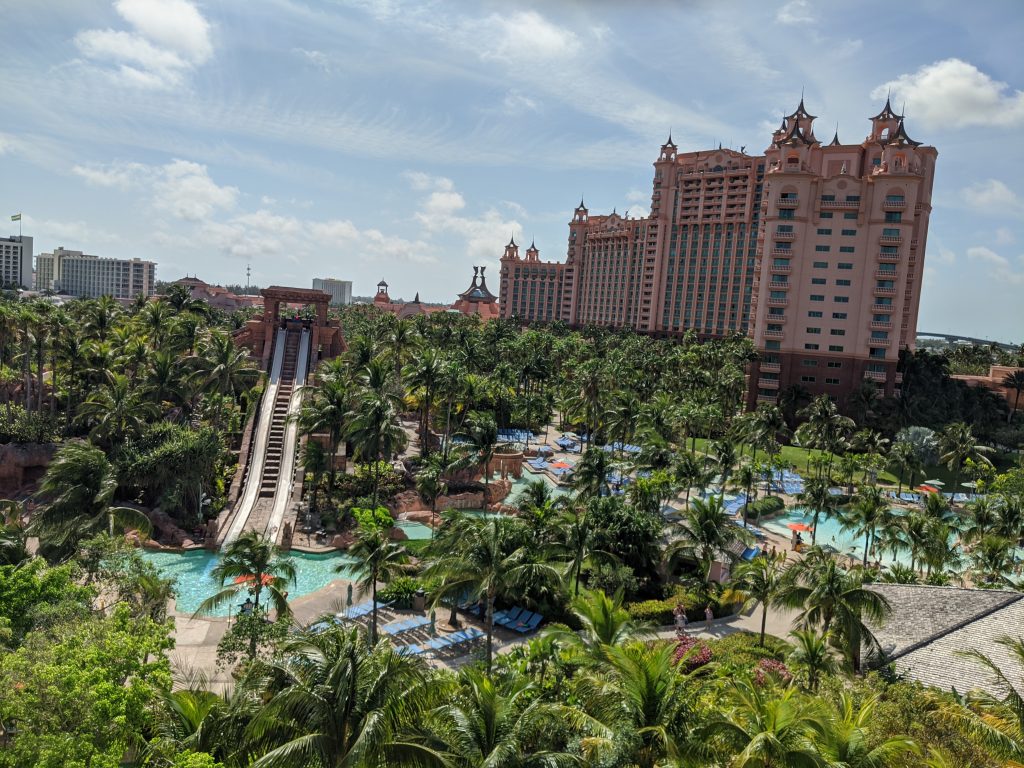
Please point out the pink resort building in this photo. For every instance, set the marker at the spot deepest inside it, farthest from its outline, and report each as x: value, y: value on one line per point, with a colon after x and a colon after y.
x: 815, y: 251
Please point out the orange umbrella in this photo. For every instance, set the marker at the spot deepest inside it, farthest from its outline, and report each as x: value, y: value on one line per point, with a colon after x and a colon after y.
x: 560, y: 465
x: 928, y: 488
x: 248, y: 579
x: 800, y: 527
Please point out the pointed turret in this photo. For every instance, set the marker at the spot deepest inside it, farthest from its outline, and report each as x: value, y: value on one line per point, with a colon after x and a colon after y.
x: 532, y: 254
x: 416, y: 298
x: 511, y: 250
x: 887, y: 113
x: 801, y: 112
x: 835, y: 139
x: 900, y: 137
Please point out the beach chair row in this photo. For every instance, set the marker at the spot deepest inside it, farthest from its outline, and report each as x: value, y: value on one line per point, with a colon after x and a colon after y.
x: 518, y: 620
x: 445, y: 642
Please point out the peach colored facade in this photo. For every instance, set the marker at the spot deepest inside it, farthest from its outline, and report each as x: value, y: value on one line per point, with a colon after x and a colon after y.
x: 475, y: 300
x: 217, y: 297
x: 814, y: 251
x: 994, y: 382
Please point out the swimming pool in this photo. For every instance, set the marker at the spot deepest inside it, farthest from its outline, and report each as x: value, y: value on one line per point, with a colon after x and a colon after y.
x: 414, y: 531
x: 519, y: 484
x: 190, y: 572
x: 831, y: 533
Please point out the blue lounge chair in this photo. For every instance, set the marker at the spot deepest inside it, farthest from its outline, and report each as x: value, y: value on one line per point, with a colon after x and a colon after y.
x: 509, y: 614
x: 411, y: 650
x: 512, y: 617
x: 524, y: 618
x: 529, y: 626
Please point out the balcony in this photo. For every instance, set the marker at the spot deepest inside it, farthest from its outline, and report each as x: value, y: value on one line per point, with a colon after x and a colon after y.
x: 882, y: 309
x: 879, y: 291
x: 881, y: 325
x: 771, y: 367
x: 766, y: 398
x: 875, y: 376
x: 784, y: 252
x: 879, y: 342
x: 898, y: 378
x: 894, y: 205
x: 774, y: 334
x: 826, y: 204
x: 890, y: 239
x: 778, y: 302
x: 890, y: 258
x: 768, y: 383
x: 781, y: 269
x: 882, y: 274
x: 778, y: 285
x: 784, y: 236
x: 788, y: 202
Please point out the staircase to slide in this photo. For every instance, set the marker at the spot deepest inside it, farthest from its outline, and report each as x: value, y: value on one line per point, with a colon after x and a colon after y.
x: 267, y: 483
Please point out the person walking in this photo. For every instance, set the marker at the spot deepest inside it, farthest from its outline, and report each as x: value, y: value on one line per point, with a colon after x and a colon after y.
x: 709, y: 614
x: 681, y: 621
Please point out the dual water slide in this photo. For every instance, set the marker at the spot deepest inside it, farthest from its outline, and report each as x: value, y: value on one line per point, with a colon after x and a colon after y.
x: 271, y: 468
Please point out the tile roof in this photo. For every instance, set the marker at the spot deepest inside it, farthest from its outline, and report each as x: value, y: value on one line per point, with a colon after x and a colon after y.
x: 929, y: 625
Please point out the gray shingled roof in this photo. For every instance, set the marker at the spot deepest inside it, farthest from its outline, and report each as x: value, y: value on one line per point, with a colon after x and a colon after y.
x: 929, y: 624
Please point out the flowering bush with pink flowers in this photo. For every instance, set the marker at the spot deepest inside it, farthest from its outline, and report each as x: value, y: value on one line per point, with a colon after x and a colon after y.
x: 771, y: 670
x: 691, y: 652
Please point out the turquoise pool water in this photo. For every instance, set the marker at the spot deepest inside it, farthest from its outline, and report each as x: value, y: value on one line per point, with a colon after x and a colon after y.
x: 191, y: 574
x: 519, y: 484
x: 830, y: 532
x: 414, y: 531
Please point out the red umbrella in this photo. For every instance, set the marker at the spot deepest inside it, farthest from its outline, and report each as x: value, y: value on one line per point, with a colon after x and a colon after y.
x: 928, y: 488
x: 800, y: 527
x: 560, y: 465
x: 248, y: 579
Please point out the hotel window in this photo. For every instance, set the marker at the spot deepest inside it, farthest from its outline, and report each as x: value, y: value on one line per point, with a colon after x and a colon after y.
x: 828, y: 198
x: 880, y: 318
x: 842, y: 299
x: 775, y: 311
x: 808, y: 379
x: 816, y: 297
x: 838, y: 315
x: 817, y: 281
x: 824, y: 231
x: 834, y: 348
x: 809, y: 363
x: 879, y: 334
x: 845, y: 265
x: 842, y: 282
x: 848, y: 216
x: 811, y: 347
x: 853, y: 198
x: 837, y: 332
x: 893, y: 217
x: 825, y: 215
x: 849, y: 233
x: 846, y: 249
x: 814, y: 330
x: 814, y: 314
x: 835, y: 363
x: 831, y: 381
x: 821, y: 265
x: 876, y: 352
x: 822, y: 248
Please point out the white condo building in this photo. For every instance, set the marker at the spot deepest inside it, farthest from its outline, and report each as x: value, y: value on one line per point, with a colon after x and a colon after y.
x: 340, y: 290
x: 80, y: 274
x: 16, y: 262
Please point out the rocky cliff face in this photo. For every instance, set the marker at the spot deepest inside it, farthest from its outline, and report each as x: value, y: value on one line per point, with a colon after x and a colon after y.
x: 21, y: 465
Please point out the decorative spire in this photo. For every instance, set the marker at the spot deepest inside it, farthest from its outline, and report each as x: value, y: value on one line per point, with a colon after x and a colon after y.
x: 887, y: 113
x: 512, y: 240
x: 669, y: 142
x: 581, y: 205
x: 900, y: 136
x: 801, y: 112
x: 416, y: 300
x: 835, y: 138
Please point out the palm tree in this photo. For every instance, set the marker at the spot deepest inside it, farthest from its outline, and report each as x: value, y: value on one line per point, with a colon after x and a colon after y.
x: 689, y: 472
x: 328, y: 411
x: 903, y: 457
x: 482, y: 432
x: 423, y: 378
x: 590, y: 478
x: 759, y: 581
x: 766, y: 728
x: 864, y: 516
x: 991, y: 558
x: 835, y: 601
x: 375, y: 434
x: 315, y: 462
x: 603, y: 622
x: 958, y: 444
x: 706, y: 531
x: 576, y: 543
x: 848, y: 740
x: 636, y: 705
x: 342, y: 702
x: 826, y: 427
x: 224, y: 368
x: 77, y: 492
x: 430, y: 484
x: 116, y: 411
x: 998, y: 712
x: 377, y: 559
x: 483, y: 560
x: 487, y: 724
x: 811, y: 656
x: 816, y: 496
x: 1015, y: 381
x: 251, y: 564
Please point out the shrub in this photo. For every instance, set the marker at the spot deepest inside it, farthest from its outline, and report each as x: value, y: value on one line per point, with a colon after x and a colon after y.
x: 769, y: 505
x: 740, y: 652
x: 662, y: 612
x: 691, y: 652
x: 399, y: 591
x: 19, y: 426
x: 770, y: 670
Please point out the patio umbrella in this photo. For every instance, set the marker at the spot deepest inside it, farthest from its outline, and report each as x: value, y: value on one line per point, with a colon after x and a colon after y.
x: 969, y: 484
x: 348, y: 596
x: 433, y: 623
x: 560, y: 465
x: 803, y: 527
x: 938, y: 483
x: 248, y: 579
x: 927, y: 488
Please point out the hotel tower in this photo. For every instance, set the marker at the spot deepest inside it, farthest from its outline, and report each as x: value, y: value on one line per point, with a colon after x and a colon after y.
x: 815, y: 251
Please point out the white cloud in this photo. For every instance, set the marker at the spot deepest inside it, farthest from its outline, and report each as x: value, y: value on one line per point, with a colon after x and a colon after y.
x: 521, y: 36
x: 999, y: 267
x: 945, y: 256
x: 795, y: 12
x: 187, y: 192
x: 169, y: 39
x: 953, y: 93
x: 1004, y: 236
x: 994, y: 197
x: 516, y: 102
x: 121, y: 175
x: 319, y: 59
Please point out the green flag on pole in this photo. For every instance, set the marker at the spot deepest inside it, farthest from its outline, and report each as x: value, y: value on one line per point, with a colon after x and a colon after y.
x: 16, y: 217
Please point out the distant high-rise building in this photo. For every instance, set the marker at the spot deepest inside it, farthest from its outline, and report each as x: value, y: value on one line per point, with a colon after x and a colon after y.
x: 814, y: 251
x: 16, y: 261
x: 80, y: 274
x: 340, y: 290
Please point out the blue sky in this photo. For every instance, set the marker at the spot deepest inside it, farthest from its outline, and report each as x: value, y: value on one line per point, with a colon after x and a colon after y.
x: 380, y: 138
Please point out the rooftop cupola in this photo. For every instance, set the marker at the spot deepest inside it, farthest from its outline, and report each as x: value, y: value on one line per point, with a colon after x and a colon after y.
x: 511, y: 250
x: 668, y: 149
x: 885, y: 123
x: 581, y: 212
x: 900, y: 138
x: 532, y: 254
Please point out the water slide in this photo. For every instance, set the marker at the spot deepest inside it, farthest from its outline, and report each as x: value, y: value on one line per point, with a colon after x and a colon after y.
x: 254, y: 475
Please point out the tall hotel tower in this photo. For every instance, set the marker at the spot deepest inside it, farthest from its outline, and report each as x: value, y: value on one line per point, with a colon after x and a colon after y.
x: 816, y: 252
